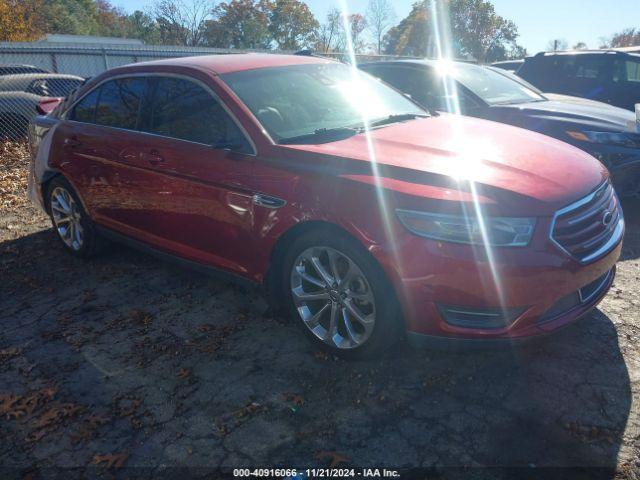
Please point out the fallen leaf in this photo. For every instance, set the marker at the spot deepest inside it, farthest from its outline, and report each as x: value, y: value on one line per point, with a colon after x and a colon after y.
x: 336, y: 458
x: 112, y: 460
x: 296, y: 399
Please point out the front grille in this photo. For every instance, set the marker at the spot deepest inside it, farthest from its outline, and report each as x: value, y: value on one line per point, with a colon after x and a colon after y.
x: 590, y: 227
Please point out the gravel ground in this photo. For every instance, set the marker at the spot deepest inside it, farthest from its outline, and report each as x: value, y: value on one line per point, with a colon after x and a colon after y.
x: 125, y: 361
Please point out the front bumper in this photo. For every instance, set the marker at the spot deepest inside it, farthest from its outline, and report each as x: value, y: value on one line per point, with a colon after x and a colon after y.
x: 531, y: 281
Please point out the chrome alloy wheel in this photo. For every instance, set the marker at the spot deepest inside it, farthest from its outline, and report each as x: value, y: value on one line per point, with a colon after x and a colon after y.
x: 333, y: 297
x: 66, y: 218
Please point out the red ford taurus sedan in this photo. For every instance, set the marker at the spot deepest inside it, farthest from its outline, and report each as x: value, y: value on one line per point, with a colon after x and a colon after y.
x: 364, y: 215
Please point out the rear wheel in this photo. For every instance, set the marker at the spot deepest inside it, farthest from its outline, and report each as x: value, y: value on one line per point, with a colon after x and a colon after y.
x: 71, y: 223
x: 340, y: 295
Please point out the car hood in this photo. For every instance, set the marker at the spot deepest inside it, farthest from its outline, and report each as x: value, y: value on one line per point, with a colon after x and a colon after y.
x: 570, y: 110
x: 520, y: 171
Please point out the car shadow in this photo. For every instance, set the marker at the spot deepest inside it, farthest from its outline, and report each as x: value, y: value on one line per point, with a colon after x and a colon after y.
x: 561, y: 402
x: 559, y: 405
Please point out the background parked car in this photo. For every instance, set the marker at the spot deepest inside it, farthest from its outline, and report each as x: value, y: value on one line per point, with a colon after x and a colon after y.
x: 608, y: 76
x: 610, y: 134
x: 18, y: 69
x: 20, y: 94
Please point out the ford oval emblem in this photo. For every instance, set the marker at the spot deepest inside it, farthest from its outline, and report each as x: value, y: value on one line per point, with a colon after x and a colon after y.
x: 607, y: 216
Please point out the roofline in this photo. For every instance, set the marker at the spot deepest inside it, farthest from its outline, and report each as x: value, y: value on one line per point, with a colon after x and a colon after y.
x: 591, y: 50
x: 41, y: 74
x: 420, y: 61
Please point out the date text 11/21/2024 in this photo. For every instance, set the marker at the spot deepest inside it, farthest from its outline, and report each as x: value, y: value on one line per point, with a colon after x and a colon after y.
x: 292, y: 473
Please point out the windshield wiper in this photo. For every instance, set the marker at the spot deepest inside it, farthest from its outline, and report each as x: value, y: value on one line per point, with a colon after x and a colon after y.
x: 401, y: 117
x: 322, y: 135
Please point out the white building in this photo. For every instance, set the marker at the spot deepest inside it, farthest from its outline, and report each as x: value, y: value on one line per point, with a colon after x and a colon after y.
x: 85, y: 39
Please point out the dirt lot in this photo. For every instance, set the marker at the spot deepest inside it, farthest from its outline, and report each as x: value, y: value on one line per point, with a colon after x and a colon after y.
x: 125, y: 361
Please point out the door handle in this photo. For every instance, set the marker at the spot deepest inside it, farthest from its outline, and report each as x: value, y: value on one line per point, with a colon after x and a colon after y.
x: 72, y: 142
x: 153, y: 157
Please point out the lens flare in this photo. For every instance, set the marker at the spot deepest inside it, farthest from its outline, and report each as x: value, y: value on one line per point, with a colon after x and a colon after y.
x: 365, y: 113
x: 470, y: 158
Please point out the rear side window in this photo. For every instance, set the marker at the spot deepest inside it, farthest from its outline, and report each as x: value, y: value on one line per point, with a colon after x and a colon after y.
x: 557, y: 70
x: 627, y: 71
x: 184, y: 110
x: 85, y: 109
x: 119, y: 103
x: 589, y: 67
x: 421, y: 84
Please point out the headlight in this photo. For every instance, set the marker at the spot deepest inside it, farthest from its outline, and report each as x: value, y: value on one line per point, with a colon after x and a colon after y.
x: 606, y: 138
x: 498, y: 231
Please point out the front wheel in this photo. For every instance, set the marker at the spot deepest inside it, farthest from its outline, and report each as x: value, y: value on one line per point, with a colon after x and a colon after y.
x: 340, y: 295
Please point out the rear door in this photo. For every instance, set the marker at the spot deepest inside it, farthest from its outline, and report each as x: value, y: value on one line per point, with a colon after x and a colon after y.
x: 591, y: 76
x: 94, y: 144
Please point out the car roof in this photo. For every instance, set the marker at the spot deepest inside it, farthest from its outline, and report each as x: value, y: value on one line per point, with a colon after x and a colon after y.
x: 420, y: 62
x: 35, y: 76
x: 21, y: 80
x: 586, y: 52
x: 235, y: 62
x: 509, y: 62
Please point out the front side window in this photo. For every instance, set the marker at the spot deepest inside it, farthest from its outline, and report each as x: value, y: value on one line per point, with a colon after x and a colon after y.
x: 301, y: 100
x: 184, y: 110
x: 120, y: 101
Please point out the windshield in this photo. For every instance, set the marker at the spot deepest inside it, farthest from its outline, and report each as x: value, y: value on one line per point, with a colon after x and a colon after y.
x: 304, y: 100
x: 492, y: 87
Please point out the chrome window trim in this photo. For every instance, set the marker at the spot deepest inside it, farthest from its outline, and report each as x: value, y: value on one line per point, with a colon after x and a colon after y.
x: 615, y: 236
x: 198, y: 82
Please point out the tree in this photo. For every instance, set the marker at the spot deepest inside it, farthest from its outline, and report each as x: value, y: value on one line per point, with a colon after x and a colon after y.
x: 479, y: 31
x: 629, y: 37
x: 380, y: 17
x: 111, y: 21
x: 292, y: 25
x: 475, y: 31
x: 240, y: 24
x: 76, y: 17
x: 142, y: 25
x: 517, y: 52
x: 16, y: 22
x: 330, y: 36
x: 357, y: 25
x: 557, y: 44
x: 181, y: 22
x: 411, y: 35
x: 580, y: 46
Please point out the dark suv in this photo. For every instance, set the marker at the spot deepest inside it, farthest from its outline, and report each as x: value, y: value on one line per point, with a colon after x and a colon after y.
x: 607, y: 76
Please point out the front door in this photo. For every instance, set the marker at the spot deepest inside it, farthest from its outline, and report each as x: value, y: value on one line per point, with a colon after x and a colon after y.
x: 191, y: 166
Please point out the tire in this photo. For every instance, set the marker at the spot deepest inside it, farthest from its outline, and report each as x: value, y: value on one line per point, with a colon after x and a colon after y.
x: 71, y: 224
x: 362, y: 303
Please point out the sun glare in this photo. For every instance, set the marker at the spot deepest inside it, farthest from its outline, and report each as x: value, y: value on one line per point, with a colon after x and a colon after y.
x: 470, y: 157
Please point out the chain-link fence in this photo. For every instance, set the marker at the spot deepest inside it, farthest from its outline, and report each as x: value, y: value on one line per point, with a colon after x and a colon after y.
x: 32, y: 72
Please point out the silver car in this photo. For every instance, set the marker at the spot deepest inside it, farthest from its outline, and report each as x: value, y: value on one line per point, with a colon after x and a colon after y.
x: 20, y: 95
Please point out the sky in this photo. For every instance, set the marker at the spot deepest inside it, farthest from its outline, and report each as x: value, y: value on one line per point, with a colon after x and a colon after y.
x: 538, y: 21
